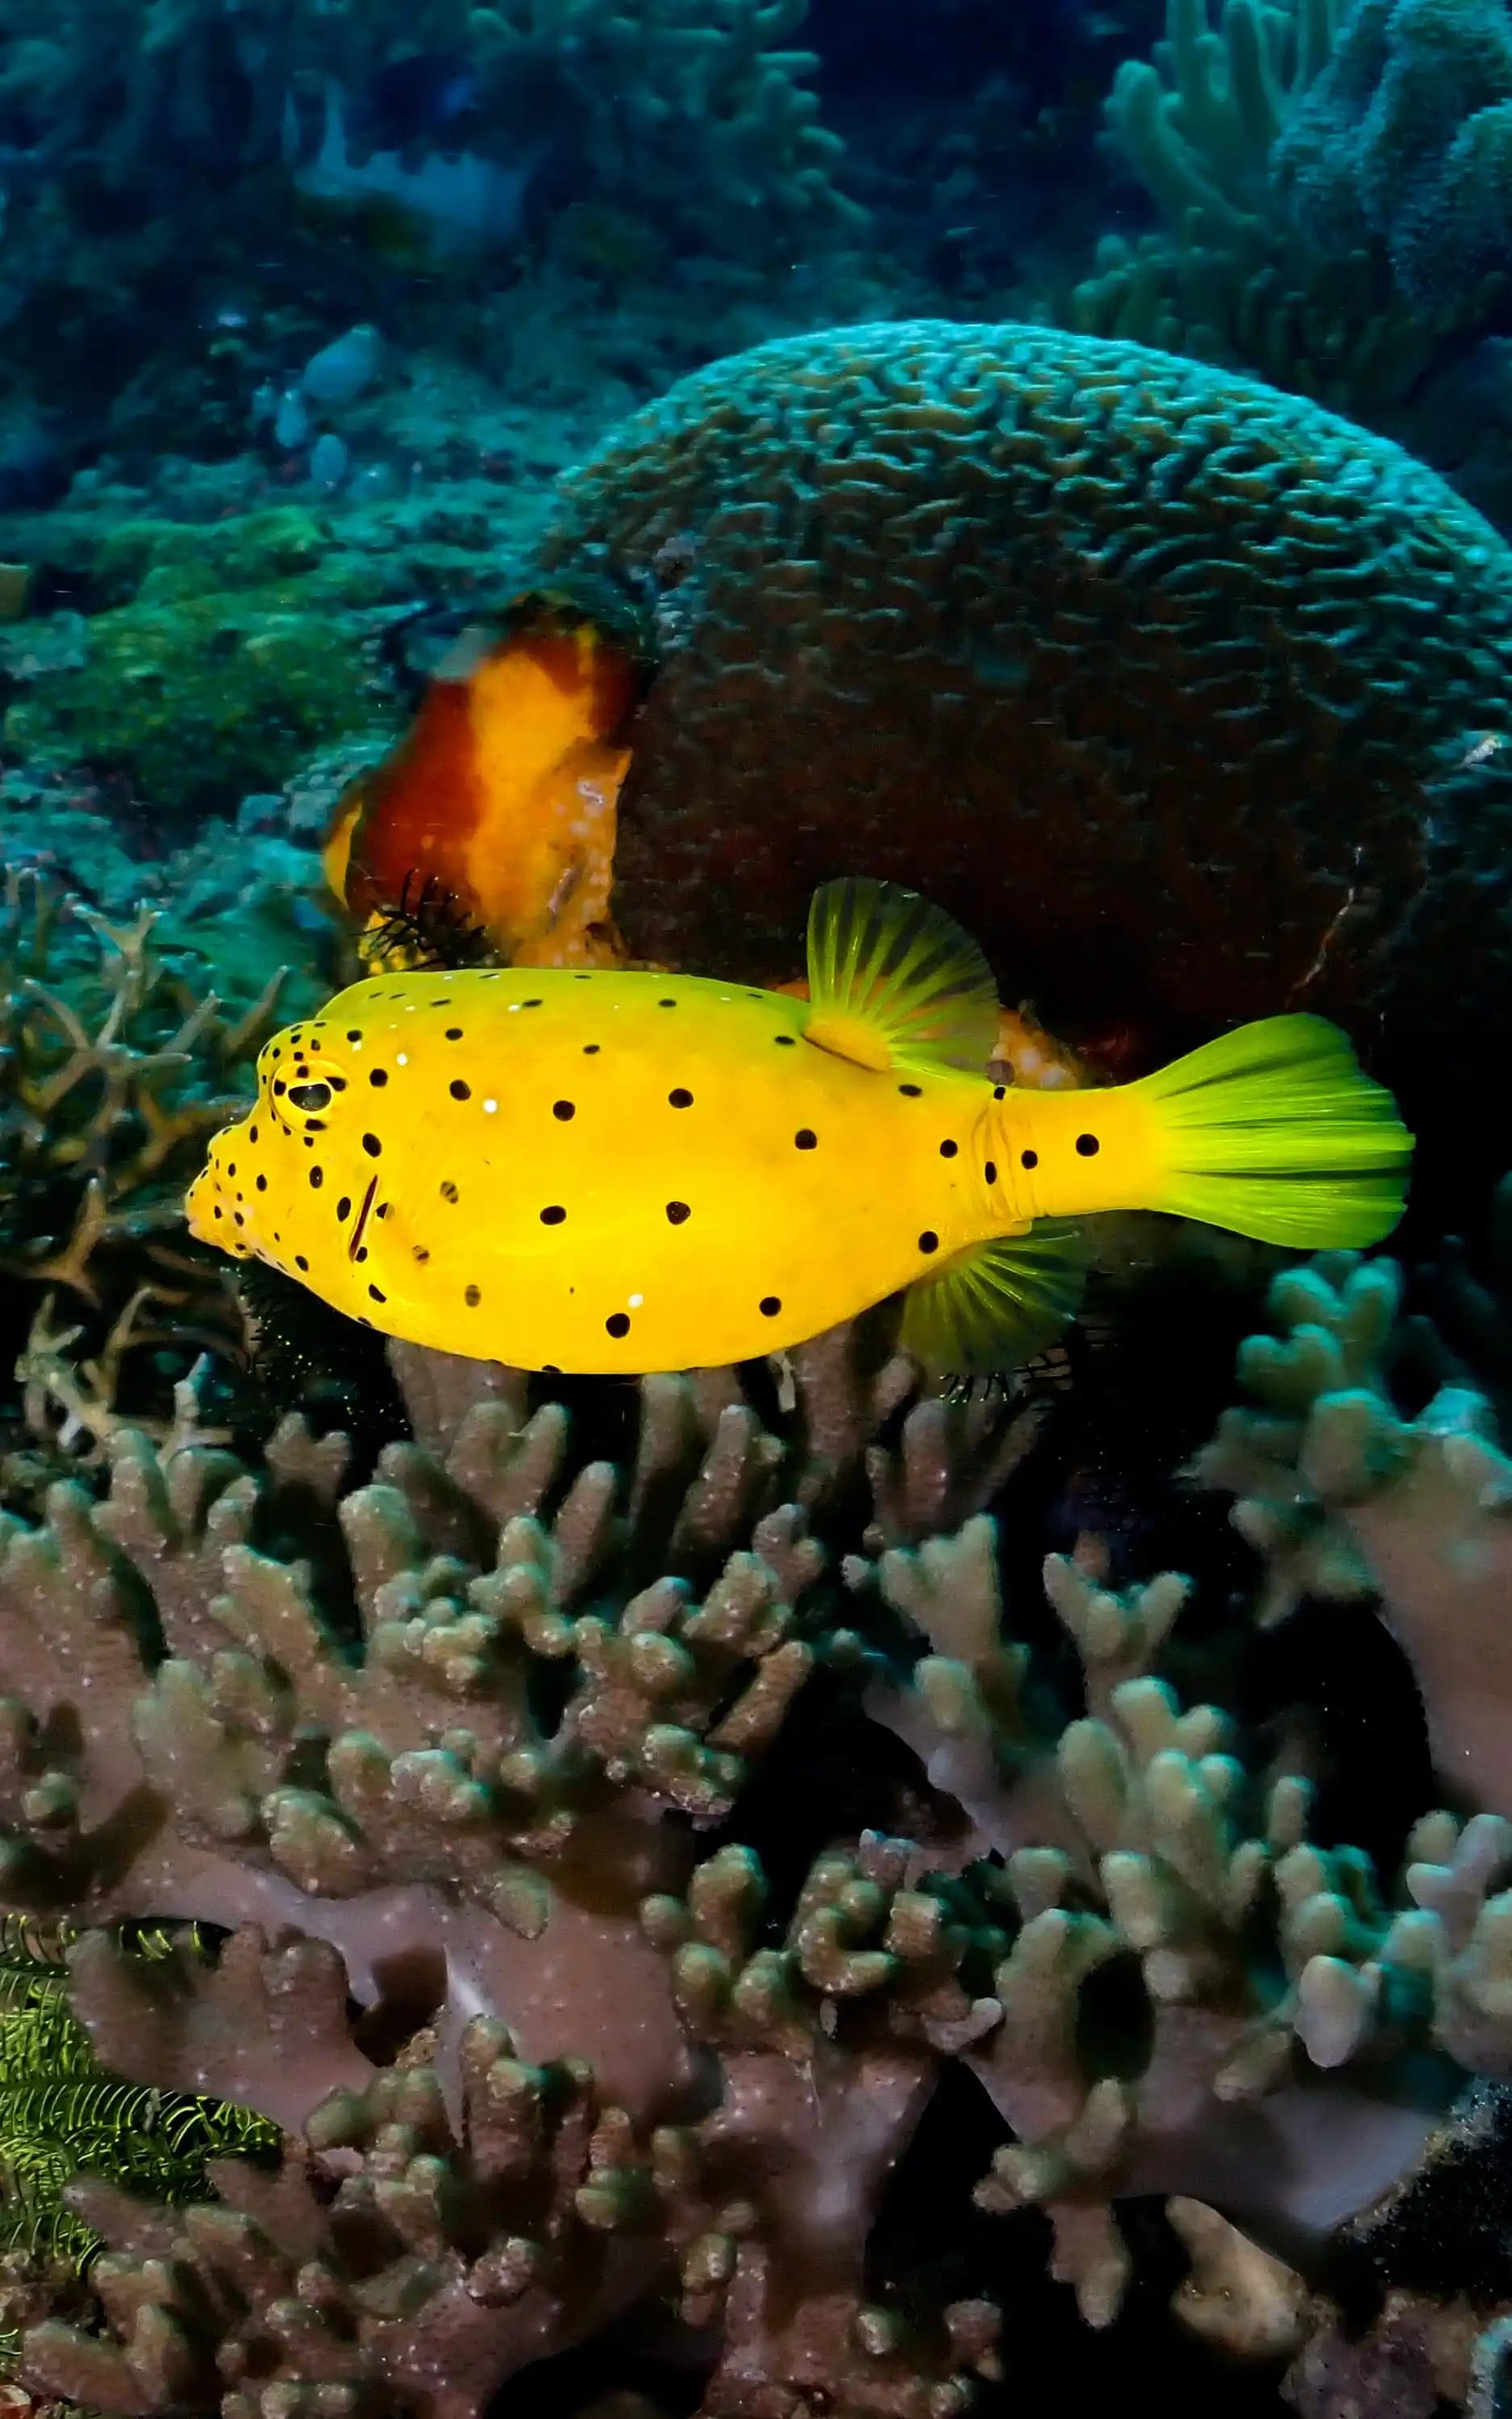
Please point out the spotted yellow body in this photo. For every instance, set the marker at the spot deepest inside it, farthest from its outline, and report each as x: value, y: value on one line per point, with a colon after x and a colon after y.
x: 619, y: 1173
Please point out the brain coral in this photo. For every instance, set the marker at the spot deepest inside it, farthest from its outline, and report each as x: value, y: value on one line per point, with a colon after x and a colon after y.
x: 1181, y: 692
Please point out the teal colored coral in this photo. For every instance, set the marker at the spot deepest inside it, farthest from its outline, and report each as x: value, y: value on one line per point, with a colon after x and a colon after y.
x: 1405, y: 138
x: 1228, y: 276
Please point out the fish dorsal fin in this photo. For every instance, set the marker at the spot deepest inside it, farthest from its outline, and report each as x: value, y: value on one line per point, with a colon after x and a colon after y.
x: 997, y: 1304
x: 894, y: 983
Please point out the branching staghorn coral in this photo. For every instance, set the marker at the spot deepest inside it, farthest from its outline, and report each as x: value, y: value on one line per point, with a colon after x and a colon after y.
x: 696, y: 100
x: 1200, y: 125
x: 113, y: 1075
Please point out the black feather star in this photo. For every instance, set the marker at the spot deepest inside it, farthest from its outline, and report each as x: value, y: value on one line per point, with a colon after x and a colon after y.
x: 429, y: 932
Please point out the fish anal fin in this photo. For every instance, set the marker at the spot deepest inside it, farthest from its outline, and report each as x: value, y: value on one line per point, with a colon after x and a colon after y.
x: 884, y: 960
x: 995, y: 1304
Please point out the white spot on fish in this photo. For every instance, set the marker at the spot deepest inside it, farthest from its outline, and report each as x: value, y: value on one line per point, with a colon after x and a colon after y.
x: 635, y: 1300
x: 489, y: 1106
x: 402, y: 1059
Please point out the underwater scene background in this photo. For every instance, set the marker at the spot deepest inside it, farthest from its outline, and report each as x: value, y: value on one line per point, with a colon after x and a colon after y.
x: 964, y: 1859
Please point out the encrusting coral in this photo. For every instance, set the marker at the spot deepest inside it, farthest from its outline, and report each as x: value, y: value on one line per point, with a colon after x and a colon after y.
x: 451, y: 1746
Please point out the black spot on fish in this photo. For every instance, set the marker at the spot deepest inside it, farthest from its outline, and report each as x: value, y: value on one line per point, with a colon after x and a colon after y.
x: 300, y: 1262
x: 377, y: 1078
x: 232, y: 1169
x: 529, y: 1003
x: 454, y: 1033
x: 805, y: 1139
x: 239, y: 1218
x: 911, y: 1091
x: 999, y: 1091
x: 1087, y: 1145
x: 617, y: 1324
x: 676, y: 1212
x: 681, y: 1098
x: 948, y: 1149
x: 281, y: 1086
x: 317, y: 1177
x: 374, y: 1295
x: 472, y: 1297
x: 353, y: 1037
x: 420, y: 1252
x: 591, y: 1049
x: 343, y: 1207
x: 554, y: 1216
x: 360, y: 1253
x: 252, y: 1133
x: 785, y: 1041
x: 564, y: 1111
x: 769, y: 1305
x: 372, y: 1145
x: 262, y: 1184
x: 1029, y: 1159
x: 990, y: 1171
x: 666, y: 1003
x: 929, y: 1240
x: 448, y: 1191
x: 459, y: 1090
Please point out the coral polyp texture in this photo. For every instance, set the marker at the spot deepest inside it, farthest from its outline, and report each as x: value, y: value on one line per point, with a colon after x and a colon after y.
x: 1209, y: 127
x: 462, y: 1764
x: 1194, y: 677
x: 1404, y: 140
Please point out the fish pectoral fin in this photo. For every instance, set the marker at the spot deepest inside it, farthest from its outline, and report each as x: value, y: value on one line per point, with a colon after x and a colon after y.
x: 895, y: 982
x: 995, y: 1305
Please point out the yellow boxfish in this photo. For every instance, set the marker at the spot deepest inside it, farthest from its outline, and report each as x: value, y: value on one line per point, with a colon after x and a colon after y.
x: 618, y: 1173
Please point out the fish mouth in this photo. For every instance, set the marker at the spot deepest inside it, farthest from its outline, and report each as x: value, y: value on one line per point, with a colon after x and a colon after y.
x: 209, y: 1210
x: 200, y: 1203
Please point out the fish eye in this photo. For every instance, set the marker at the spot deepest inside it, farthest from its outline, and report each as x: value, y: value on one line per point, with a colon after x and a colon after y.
x: 309, y: 1096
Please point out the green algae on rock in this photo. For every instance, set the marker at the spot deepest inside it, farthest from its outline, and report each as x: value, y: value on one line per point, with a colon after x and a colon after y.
x: 198, y: 697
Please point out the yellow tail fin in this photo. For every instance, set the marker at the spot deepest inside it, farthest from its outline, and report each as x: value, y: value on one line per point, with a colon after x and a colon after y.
x: 1276, y: 1131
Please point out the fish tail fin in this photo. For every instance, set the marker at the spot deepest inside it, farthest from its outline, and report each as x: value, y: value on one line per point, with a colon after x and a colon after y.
x: 1276, y: 1131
